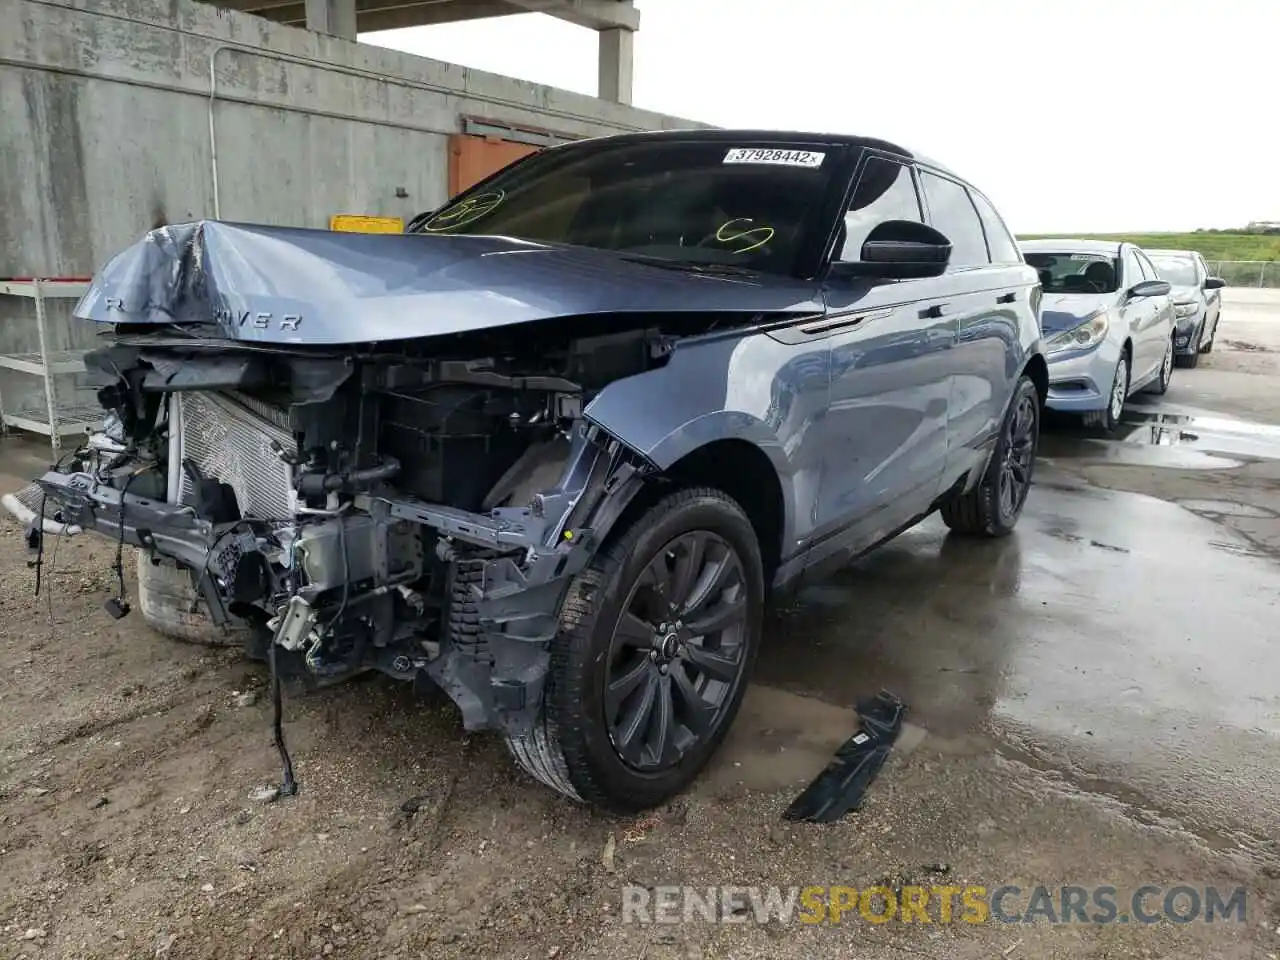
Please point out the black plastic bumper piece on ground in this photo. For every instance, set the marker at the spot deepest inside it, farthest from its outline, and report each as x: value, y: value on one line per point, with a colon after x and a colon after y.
x: 842, y: 786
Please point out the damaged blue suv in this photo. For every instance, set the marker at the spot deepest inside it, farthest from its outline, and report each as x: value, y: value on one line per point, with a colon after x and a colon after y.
x: 549, y: 449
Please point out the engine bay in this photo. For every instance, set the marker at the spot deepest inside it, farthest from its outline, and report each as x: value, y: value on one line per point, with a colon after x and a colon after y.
x: 417, y: 513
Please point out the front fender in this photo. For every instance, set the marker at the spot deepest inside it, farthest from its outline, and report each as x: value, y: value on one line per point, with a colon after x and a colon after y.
x: 748, y: 387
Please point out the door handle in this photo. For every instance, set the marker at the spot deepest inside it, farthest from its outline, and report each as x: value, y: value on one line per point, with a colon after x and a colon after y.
x: 1007, y: 298
x: 934, y: 312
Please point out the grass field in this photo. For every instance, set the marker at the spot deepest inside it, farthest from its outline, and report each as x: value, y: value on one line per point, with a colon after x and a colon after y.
x: 1212, y: 246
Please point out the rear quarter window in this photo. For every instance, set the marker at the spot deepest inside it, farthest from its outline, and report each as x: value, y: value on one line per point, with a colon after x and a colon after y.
x: 1000, y: 243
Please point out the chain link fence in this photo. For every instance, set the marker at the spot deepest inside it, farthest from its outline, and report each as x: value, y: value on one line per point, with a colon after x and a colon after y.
x: 1247, y: 273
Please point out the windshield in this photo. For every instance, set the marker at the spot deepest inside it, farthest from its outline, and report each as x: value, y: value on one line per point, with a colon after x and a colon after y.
x: 1179, y: 271
x: 689, y: 202
x: 1067, y: 272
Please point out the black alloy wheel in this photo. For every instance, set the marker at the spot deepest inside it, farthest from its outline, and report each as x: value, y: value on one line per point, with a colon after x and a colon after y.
x: 678, y: 653
x: 1019, y: 456
x: 653, y: 654
x: 992, y: 507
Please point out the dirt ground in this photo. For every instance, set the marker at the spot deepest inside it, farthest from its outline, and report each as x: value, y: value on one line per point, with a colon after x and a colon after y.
x: 127, y: 761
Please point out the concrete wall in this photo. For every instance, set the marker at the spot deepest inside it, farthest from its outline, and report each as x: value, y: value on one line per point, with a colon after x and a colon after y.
x: 105, y: 129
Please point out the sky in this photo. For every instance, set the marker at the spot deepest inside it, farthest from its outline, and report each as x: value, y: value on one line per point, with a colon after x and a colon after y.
x: 1072, y: 115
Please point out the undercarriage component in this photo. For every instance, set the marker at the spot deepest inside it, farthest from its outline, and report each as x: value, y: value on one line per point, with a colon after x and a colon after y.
x: 295, y: 626
x: 842, y: 786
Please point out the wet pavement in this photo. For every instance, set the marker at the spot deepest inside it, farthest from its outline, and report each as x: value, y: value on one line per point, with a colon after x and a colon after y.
x: 1122, y: 644
x: 1116, y: 640
x: 1159, y: 434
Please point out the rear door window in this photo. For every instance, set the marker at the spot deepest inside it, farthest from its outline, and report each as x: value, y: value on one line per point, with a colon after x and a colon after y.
x: 954, y: 214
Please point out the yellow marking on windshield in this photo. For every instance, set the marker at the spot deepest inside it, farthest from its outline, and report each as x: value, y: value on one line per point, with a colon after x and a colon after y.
x: 755, y: 237
x: 464, y: 212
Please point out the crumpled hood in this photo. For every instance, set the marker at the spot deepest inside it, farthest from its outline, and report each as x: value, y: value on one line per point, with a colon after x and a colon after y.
x: 293, y: 285
x: 1062, y: 311
x: 1185, y: 294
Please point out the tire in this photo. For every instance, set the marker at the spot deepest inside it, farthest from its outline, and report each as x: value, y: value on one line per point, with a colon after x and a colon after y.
x: 1213, y: 335
x: 576, y: 746
x: 170, y: 606
x: 992, y: 508
x: 1108, y: 418
x: 1161, y: 385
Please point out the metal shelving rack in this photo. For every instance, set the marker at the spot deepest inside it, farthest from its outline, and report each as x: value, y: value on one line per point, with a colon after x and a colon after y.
x: 54, y: 421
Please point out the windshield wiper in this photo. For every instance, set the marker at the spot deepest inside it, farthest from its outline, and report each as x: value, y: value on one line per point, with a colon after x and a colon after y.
x: 688, y: 266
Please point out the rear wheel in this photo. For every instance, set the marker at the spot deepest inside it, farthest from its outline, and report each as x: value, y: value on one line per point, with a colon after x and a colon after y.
x: 1213, y: 333
x: 648, y: 669
x: 992, y: 508
x: 1108, y: 418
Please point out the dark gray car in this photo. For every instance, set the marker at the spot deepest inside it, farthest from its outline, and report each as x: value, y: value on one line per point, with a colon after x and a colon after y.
x: 1197, y: 302
x: 551, y: 450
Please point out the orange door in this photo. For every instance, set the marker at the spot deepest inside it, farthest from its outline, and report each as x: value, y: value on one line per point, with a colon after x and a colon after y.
x: 471, y: 158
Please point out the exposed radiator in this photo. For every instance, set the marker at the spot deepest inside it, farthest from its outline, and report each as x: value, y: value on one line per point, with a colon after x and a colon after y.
x: 229, y: 438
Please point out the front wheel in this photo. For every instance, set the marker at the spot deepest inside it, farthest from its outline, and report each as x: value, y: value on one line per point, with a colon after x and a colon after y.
x: 1161, y: 386
x: 1108, y: 418
x: 656, y: 641
x: 172, y: 607
x: 992, y: 508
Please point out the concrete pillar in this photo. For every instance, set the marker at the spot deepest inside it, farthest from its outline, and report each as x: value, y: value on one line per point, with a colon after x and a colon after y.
x: 336, y: 17
x: 617, y: 55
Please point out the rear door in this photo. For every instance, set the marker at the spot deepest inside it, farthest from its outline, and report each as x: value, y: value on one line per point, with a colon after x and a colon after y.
x: 1160, y: 331
x: 1141, y: 314
x: 1212, y: 298
x: 884, y: 433
x: 993, y: 289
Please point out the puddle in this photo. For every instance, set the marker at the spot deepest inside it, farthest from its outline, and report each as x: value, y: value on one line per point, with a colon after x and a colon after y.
x: 1117, y: 637
x: 1132, y: 454
x: 1153, y: 437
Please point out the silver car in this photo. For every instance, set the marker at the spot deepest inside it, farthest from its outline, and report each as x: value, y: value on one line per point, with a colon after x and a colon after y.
x: 1197, y: 302
x: 1108, y: 325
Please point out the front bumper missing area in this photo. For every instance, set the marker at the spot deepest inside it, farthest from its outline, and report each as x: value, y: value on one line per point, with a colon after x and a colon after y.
x: 515, y: 580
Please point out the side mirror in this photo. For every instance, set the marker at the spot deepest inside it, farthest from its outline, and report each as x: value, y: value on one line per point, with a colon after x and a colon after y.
x: 1150, y: 288
x: 899, y: 250
x: 1214, y: 283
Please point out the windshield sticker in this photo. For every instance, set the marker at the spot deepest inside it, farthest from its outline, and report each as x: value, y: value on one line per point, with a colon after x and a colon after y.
x: 743, y: 240
x: 465, y: 212
x: 786, y: 158
x: 1091, y: 257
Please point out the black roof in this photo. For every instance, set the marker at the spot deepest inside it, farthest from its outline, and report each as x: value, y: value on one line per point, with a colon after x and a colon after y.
x: 721, y: 135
